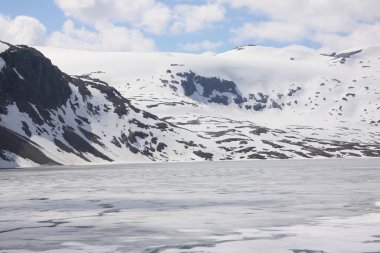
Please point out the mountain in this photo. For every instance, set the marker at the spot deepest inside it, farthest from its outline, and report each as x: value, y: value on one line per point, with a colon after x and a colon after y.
x: 248, y: 103
x: 49, y: 117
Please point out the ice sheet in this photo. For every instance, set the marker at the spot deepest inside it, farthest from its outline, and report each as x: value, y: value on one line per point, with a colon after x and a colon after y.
x: 259, y: 206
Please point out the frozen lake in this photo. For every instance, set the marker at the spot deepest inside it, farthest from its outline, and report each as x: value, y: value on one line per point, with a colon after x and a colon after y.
x: 299, y: 206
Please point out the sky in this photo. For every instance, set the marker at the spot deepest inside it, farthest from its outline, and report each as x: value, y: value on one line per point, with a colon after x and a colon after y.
x: 190, y: 26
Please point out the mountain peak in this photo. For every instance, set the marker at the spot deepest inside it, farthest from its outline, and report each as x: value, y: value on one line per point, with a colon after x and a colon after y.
x: 28, y: 76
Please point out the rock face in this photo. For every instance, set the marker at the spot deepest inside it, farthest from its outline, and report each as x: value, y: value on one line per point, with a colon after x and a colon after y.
x: 225, y: 92
x: 29, y: 77
x: 212, y: 89
x: 15, y: 143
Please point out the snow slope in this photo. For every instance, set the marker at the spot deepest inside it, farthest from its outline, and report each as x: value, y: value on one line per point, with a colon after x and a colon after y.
x: 335, y: 88
x: 248, y: 103
x: 92, y: 123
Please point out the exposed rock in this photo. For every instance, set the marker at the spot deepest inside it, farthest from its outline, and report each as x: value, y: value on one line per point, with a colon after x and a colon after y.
x: 43, y: 84
x: 205, y: 155
x: 212, y: 88
x: 161, y: 146
x: 15, y: 143
x: 26, y: 129
x: 81, y: 145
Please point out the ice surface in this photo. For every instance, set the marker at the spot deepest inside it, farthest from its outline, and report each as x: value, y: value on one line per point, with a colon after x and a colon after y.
x: 317, y: 236
x: 260, y: 206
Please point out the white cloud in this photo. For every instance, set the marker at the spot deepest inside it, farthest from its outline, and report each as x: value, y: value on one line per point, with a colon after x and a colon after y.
x: 156, y: 19
x: 200, y: 46
x: 127, y: 24
x: 273, y: 30
x: 105, y: 37
x: 22, y: 30
x: 367, y: 35
x: 192, y: 18
x: 321, y: 21
x: 151, y: 15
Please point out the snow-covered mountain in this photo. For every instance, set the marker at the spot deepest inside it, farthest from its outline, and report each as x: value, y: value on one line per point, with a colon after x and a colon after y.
x: 248, y: 103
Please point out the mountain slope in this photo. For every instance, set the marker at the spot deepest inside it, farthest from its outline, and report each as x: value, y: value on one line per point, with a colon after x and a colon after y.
x: 48, y: 117
x: 327, y: 97
x: 248, y: 103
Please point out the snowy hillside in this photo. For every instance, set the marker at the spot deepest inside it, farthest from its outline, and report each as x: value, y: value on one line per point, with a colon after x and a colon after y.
x: 298, y: 81
x: 247, y: 103
x: 48, y: 117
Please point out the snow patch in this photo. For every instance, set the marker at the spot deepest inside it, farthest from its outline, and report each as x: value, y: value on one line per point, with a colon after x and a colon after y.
x: 2, y: 64
x: 19, y: 76
x: 3, y: 47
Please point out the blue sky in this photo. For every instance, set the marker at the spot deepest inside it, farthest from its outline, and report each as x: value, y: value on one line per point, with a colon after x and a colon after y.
x: 190, y: 26
x: 46, y: 11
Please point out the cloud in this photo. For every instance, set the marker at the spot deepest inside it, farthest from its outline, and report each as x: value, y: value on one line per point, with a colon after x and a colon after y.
x: 321, y: 21
x: 200, y: 46
x: 367, y: 35
x: 273, y: 30
x: 22, y: 30
x: 131, y: 25
x: 150, y: 15
x: 105, y: 37
x: 192, y: 18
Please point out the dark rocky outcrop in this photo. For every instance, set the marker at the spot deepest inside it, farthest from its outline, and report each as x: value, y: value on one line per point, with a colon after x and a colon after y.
x: 225, y: 92
x: 161, y: 146
x: 29, y: 77
x: 120, y: 103
x: 188, y: 83
x: 205, y: 155
x: 293, y: 91
x: 210, y: 86
x: 81, y: 145
x: 15, y: 143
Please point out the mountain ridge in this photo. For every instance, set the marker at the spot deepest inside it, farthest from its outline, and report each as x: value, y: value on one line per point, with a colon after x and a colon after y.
x: 184, y: 107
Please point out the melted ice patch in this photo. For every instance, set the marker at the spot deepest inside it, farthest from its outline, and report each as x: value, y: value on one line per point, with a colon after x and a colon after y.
x: 321, y: 235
